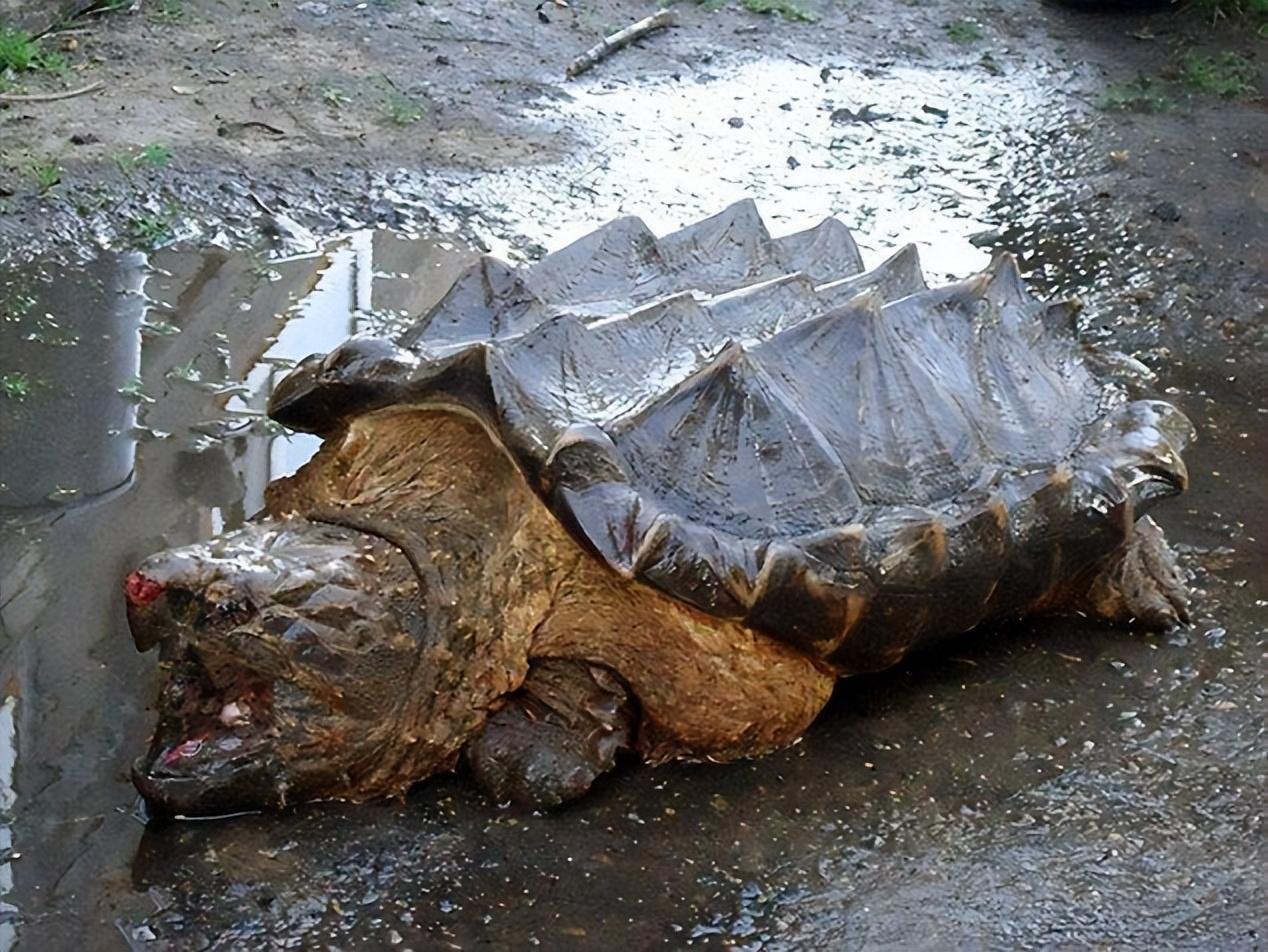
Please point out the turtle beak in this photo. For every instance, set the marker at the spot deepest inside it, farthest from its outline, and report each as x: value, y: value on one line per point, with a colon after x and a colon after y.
x: 297, y: 399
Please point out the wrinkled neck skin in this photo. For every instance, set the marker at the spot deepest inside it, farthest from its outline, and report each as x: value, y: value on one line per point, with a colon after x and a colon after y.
x: 487, y: 559
x: 506, y: 584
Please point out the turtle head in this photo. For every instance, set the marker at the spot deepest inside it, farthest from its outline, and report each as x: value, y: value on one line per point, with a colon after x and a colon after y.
x: 287, y: 650
x: 362, y: 374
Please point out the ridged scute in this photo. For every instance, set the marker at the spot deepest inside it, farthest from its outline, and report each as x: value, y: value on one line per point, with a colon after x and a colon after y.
x: 758, y: 426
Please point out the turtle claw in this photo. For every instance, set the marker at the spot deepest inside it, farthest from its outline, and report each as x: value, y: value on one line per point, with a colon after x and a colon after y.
x: 1142, y: 583
x: 554, y: 736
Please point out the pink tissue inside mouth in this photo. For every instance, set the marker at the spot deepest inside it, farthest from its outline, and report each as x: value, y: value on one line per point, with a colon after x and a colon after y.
x: 187, y: 749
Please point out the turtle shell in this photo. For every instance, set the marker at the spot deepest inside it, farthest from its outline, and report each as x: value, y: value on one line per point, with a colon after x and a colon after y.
x: 762, y: 428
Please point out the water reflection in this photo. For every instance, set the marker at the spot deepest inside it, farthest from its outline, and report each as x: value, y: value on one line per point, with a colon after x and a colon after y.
x: 68, y: 336
x: 8, y: 800
x: 181, y: 428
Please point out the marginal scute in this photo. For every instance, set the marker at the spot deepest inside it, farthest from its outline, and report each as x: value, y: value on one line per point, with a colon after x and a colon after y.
x: 716, y: 412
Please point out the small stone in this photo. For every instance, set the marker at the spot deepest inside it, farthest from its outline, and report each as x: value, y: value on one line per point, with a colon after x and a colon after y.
x: 1166, y: 211
x: 792, y: 162
x: 735, y: 122
x: 313, y: 8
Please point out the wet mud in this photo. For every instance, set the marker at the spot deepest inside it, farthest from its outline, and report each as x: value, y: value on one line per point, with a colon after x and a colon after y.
x: 1049, y: 784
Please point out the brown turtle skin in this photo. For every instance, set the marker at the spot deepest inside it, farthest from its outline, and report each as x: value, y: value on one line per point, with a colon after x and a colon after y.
x: 653, y: 495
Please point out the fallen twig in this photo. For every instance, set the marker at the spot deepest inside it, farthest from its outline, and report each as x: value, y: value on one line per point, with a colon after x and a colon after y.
x: 610, y: 44
x: 51, y: 97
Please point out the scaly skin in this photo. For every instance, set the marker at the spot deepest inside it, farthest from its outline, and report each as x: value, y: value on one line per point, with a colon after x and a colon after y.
x: 503, y: 584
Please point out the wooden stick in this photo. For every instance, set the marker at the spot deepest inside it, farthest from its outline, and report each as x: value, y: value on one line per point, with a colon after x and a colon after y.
x: 51, y: 97
x: 610, y: 44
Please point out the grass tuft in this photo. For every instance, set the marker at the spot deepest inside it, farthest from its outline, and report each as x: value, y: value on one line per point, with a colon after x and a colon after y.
x: 148, y: 230
x: 334, y: 96
x: 16, y: 386
x: 1140, y: 95
x: 154, y: 155
x: 46, y: 175
x: 788, y: 9
x: 398, y: 108
x: 963, y: 31
x: 1228, y: 74
x: 20, y: 54
x: 169, y: 11
x: 17, y: 52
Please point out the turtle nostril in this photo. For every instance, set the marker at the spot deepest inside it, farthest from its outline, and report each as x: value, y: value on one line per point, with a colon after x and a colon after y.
x: 140, y: 589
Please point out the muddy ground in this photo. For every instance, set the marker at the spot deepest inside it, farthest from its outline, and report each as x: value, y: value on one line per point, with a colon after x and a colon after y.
x: 1051, y: 784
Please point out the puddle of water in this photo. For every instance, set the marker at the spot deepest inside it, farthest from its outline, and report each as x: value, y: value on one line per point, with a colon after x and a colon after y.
x: 69, y: 351
x: 926, y: 804
x: 898, y: 154
x: 142, y: 428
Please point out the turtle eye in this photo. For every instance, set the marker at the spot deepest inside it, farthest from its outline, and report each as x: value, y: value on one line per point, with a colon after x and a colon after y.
x: 232, y: 611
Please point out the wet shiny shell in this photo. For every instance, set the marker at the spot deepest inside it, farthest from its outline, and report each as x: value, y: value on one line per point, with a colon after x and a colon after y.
x: 763, y: 429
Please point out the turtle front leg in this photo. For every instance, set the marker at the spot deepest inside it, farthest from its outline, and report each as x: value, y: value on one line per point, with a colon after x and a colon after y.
x: 1141, y: 582
x: 554, y: 736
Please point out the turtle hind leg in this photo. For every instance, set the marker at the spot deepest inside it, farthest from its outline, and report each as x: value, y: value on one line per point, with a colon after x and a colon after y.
x: 554, y: 736
x: 1141, y: 583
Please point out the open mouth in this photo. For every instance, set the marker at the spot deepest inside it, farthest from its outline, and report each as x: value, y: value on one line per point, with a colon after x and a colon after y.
x: 214, y: 720
x: 224, y: 710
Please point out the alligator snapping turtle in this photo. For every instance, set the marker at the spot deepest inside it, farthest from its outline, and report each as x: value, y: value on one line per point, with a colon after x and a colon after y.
x: 654, y: 494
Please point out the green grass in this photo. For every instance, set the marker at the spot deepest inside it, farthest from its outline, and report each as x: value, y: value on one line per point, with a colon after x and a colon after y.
x: 154, y: 155
x: 1254, y: 10
x: 963, y: 31
x: 396, y: 107
x: 46, y: 175
x: 1143, y: 94
x: 147, y: 230
x: 1227, y: 75
x: 187, y: 371
x: 20, y: 54
x: 790, y: 11
x: 169, y: 11
x: 15, y: 386
x: 17, y: 53
x: 333, y: 96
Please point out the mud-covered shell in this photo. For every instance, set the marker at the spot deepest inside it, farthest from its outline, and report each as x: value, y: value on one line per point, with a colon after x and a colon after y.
x: 761, y: 428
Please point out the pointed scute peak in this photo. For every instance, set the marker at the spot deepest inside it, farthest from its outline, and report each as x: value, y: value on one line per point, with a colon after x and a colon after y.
x: 906, y: 258
x: 742, y: 215
x: 500, y: 277
x: 1002, y: 281
x: 732, y: 356
x: 827, y: 251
